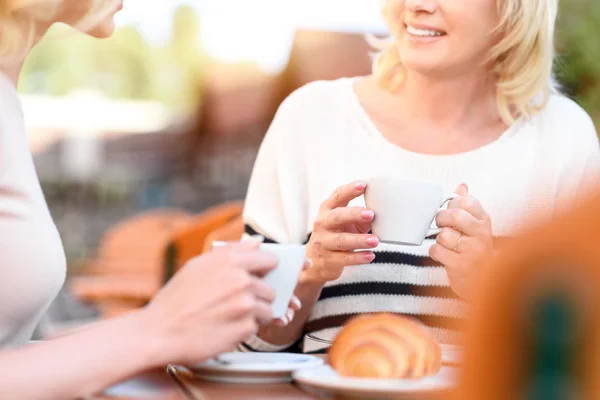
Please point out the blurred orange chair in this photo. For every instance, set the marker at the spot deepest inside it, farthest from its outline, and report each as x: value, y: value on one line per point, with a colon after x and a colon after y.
x: 191, y: 240
x: 129, y: 267
x: 534, y: 326
x: 232, y: 231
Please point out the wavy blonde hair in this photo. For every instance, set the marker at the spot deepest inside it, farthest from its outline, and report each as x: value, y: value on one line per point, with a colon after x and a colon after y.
x: 522, y: 60
x: 21, y: 19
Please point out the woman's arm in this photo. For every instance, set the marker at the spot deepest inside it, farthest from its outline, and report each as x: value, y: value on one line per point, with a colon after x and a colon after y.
x: 277, y: 208
x: 81, y: 363
x: 212, y: 304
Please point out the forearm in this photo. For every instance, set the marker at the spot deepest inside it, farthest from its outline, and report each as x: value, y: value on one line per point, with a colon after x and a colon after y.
x: 79, y: 364
x: 308, y: 293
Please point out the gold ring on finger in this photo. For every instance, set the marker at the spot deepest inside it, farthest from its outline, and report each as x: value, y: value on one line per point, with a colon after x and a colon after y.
x: 457, y: 243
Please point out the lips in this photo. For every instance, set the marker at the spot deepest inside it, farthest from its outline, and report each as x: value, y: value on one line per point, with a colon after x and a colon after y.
x: 421, y: 30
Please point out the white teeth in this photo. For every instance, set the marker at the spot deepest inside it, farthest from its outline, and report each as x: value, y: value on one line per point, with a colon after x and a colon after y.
x: 422, y: 32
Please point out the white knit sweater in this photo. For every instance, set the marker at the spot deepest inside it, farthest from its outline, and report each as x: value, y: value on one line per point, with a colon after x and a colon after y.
x: 321, y: 138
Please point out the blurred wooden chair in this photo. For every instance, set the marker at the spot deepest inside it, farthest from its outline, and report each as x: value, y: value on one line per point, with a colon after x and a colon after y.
x: 534, y: 330
x: 191, y: 240
x: 232, y: 231
x: 128, y: 269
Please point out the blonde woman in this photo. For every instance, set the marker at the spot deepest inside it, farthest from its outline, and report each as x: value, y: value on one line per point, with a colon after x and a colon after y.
x: 461, y: 94
x: 212, y: 304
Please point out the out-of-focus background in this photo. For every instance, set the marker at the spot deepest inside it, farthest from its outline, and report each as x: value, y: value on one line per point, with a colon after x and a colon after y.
x: 144, y: 142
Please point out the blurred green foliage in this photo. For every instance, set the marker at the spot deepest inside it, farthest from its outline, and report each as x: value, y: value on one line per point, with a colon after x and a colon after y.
x: 578, y: 42
x: 124, y: 66
x: 127, y: 66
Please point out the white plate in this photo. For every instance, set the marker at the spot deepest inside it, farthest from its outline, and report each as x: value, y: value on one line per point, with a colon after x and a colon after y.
x: 325, y: 379
x: 254, y: 367
x: 451, y: 354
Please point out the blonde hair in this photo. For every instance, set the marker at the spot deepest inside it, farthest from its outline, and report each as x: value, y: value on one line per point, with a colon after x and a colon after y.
x: 20, y: 20
x: 522, y: 60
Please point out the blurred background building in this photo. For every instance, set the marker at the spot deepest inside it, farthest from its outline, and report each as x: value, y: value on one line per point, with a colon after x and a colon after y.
x: 169, y: 112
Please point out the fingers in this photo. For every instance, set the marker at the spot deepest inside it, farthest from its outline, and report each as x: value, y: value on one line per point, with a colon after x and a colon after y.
x: 348, y: 241
x: 294, y: 306
x: 263, y: 312
x: 248, y: 305
x: 459, y: 219
x: 341, y: 216
x: 470, y: 204
x: 244, y: 329
x: 347, y: 258
x: 344, y: 194
x: 307, y: 264
x: 295, y: 303
x: 256, y: 262
x: 262, y: 291
x: 462, y: 190
x: 449, y: 238
x: 286, y: 319
x: 443, y: 255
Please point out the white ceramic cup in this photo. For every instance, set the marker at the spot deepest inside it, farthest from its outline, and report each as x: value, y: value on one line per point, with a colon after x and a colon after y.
x: 405, y: 209
x: 284, y: 278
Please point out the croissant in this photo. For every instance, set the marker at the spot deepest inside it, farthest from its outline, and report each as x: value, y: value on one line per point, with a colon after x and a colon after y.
x: 385, y: 346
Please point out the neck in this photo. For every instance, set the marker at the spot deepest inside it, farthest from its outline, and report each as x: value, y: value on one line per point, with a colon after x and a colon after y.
x: 13, y: 71
x: 452, y: 103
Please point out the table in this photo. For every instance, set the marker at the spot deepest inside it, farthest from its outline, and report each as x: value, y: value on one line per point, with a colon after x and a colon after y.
x: 200, y: 390
x: 197, y: 389
x: 158, y: 385
x: 152, y: 385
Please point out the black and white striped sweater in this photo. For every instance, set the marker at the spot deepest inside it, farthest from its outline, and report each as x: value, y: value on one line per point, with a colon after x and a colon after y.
x: 322, y: 138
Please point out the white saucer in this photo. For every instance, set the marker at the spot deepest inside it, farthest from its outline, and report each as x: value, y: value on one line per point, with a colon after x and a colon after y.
x: 325, y: 379
x: 260, y: 368
x: 451, y: 354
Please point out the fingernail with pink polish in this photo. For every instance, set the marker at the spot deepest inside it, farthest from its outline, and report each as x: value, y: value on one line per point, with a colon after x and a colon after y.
x: 297, y: 303
x: 360, y: 185
x: 370, y: 257
x: 367, y: 214
x: 373, y: 241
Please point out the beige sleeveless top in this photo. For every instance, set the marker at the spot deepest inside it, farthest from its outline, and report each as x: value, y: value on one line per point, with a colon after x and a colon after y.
x: 32, y: 261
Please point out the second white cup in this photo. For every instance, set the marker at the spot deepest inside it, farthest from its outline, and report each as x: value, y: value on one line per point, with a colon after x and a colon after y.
x: 284, y: 278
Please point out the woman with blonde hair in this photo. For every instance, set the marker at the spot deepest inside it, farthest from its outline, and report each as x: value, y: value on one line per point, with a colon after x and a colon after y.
x: 214, y: 302
x: 461, y: 94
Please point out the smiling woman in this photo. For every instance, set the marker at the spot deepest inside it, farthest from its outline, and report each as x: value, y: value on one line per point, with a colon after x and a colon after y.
x: 461, y: 94
x: 520, y: 48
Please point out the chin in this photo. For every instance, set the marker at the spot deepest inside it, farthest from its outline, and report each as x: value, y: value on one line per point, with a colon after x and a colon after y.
x: 425, y: 66
x: 103, y: 31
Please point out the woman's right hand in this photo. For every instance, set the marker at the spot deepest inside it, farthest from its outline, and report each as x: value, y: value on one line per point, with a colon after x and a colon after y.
x: 338, y: 232
x: 214, y: 302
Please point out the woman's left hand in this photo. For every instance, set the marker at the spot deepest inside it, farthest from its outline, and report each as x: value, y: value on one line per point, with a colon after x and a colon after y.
x: 465, y: 240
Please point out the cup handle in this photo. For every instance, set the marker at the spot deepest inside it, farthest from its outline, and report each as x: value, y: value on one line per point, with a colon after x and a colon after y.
x: 435, y: 230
